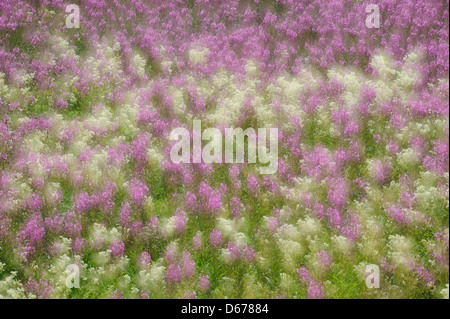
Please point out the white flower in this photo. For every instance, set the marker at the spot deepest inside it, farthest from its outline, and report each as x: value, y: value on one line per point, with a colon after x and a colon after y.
x: 198, y: 55
x: 400, y: 249
x: 341, y: 243
x: 444, y: 292
x: 407, y: 157
x: 352, y: 82
x: 289, y: 231
x: 152, y: 276
x: 309, y: 226
x: 239, y: 239
x: 383, y: 64
x: 102, y: 258
x: 290, y: 248
x: 139, y: 64
x: 11, y: 288
x: 288, y: 283
x: 169, y: 227
x: 225, y: 226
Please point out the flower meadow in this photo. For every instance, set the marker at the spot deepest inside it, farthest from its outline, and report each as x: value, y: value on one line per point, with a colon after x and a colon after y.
x: 87, y: 182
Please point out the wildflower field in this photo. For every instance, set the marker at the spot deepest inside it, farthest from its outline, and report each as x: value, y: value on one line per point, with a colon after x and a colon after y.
x: 92, y: 206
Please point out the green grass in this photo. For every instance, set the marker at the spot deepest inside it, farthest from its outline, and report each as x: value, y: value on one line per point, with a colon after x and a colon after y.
x: 346, y: 282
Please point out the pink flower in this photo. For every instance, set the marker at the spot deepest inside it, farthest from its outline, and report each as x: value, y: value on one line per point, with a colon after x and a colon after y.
x: 380, y: 172
x: 42, y: 289
x: 233, y: 252
x: 253, y: 184
x: 191, y: 202
x: 303, y: 275
x: 190, y: 295
x: 315, y: 290
x: 203, y: 283
x: 125, y: 215
x: 215, y: 238
x: 139, y: 192
x: 117, y: 248
x: 197, y: 243
x: 145, y: 259
x: 272, y: 224
x: 180, y: 221
x: 323, y: 258
x: 173, y: 274
x: 188, y: 265
x: 78, y: 246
